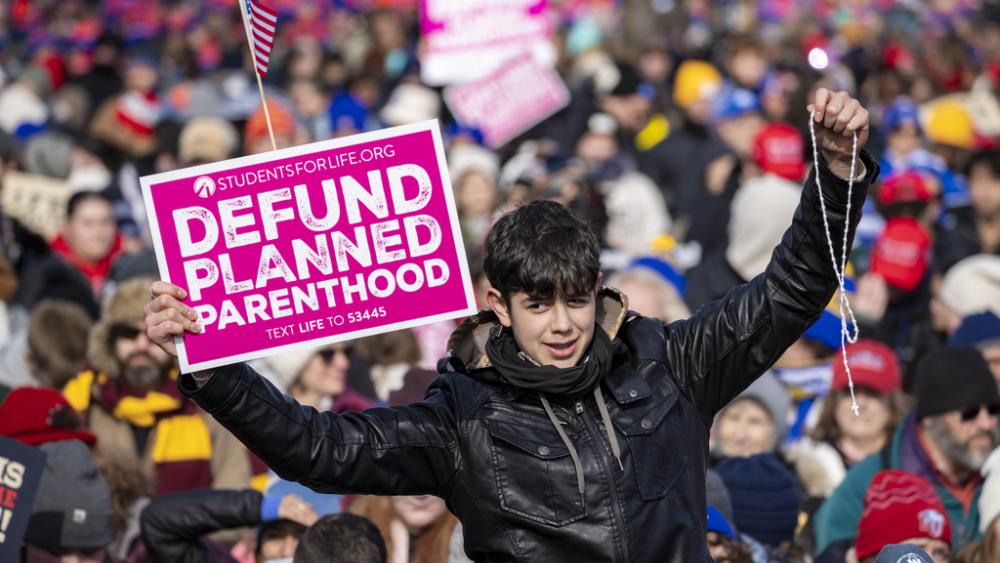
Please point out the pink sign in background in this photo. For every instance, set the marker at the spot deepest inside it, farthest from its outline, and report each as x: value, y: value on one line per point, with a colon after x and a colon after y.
x: 520, y: 94
x: 463, y: 40
x: 448, y: 25
x: 384, y: 270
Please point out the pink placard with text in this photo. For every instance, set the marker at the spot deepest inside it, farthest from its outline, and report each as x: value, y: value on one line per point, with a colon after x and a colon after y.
x: 463, y: 40
x: 520, y: 94
x: 313, y: 244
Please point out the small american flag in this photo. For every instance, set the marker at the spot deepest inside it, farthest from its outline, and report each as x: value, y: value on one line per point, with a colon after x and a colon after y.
x: 262, y: 24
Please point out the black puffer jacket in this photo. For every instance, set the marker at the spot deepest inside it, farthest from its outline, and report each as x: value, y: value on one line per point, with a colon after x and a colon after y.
x: 493, y: 454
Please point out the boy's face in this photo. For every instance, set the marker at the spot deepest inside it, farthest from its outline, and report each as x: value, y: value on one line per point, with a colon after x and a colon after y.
x: 554, y: 331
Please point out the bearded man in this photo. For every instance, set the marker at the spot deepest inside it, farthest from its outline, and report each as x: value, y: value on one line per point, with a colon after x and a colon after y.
x: 945, y: 440
x: 131, y: 402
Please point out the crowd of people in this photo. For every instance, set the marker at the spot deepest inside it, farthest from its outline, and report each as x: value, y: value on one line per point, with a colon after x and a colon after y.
x: 684, y: 147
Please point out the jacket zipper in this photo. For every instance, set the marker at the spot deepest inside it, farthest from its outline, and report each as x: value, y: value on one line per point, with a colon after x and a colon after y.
x: 619, y: 517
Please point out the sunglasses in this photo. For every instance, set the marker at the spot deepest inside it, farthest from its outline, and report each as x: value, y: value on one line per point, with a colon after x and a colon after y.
x: 329, y: 353
x: 971, y: 413
x: 124, y: 331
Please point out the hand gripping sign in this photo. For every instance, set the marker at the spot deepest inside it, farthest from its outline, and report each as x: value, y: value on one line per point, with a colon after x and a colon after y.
x: 313, y: 244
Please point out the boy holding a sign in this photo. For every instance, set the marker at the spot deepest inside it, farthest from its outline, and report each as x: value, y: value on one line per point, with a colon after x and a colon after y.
x: 564, y: 426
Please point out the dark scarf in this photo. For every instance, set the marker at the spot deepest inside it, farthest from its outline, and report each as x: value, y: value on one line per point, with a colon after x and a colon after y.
x: 516, y: 369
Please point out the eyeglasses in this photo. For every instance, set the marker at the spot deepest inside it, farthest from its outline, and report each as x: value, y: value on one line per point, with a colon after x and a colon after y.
x: 124, y: 331
x: 329, y: 353
x: 971, y: 413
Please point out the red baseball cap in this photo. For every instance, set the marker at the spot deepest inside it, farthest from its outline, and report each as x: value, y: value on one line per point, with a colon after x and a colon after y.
x: 900, y: 506
x: 905, y: 186
x: 902, y: 253
x: 778, y: 148
x: 873, y: 365
x: 38, y: 415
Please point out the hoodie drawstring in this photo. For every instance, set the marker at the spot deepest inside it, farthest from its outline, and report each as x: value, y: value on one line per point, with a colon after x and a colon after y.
x: 569, y: 445
x: 605, y: 418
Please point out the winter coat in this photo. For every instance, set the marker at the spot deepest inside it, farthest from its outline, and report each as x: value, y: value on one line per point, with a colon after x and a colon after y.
x: 490, y: 450
x: 837, y: 520
x: 173, y: 525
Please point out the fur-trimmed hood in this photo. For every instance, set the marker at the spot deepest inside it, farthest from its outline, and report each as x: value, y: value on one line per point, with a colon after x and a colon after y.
x: 467, y: 345
x: 126, y: 305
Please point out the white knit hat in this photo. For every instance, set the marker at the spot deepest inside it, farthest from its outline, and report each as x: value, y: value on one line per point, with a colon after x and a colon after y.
x: 283, y: 369
x: 410, y: 103
x: 973, y: 286
x: 989, y: 499
x: 636, y: 213
x: 762, y: 210
x: 466, y: 157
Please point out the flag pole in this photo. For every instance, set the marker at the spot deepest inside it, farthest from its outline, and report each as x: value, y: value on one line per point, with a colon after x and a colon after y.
x: 253, y: 58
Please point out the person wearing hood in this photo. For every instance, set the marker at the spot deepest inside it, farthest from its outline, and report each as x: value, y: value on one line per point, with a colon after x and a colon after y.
x: 562, y: 425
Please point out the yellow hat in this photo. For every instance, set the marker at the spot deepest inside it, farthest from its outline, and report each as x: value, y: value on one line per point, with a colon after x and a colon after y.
x: 695, y: 80
x: 948, y: 123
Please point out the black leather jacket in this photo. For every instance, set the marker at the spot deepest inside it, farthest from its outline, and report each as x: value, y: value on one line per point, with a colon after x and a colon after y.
x: 175, y: 526
x: 492, y: 453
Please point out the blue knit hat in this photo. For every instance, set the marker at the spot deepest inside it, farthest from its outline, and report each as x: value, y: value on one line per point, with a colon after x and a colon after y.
x: 717, y: 523
x: 346, y: 108
x: 765, y: 501
x: 978, y: 330
x: 664, y: 269
x: 901, y: 110
x: 734, y: 102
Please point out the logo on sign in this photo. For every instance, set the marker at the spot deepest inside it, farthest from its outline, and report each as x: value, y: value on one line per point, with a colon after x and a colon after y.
x: 932, y: 522
x: 204, y: 187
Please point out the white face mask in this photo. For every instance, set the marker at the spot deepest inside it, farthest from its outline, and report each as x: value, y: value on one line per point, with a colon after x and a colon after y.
x: 282, y: 560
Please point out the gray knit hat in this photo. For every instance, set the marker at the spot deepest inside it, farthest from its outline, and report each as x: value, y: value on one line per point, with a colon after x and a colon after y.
x: 771, y: 394
x: 73, y: 506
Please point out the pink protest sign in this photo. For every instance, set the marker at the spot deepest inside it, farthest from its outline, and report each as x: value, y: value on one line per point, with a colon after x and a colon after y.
x: 510, y: 101
x: 463, y: 40
x: 313, y: 244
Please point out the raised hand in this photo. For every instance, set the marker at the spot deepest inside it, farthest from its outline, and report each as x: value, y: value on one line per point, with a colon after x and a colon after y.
x: 837, y: 117
x: 167, y: 317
